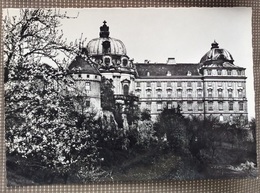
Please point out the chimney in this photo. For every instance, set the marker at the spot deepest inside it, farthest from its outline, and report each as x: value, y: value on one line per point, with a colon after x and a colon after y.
x: 146, y: 61
x: 171, y: 61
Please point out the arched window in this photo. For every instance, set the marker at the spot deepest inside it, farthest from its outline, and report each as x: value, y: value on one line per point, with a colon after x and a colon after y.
x: 126, y: 89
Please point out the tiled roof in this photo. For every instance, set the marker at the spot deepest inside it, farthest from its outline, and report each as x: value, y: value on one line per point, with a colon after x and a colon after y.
x: 162, y: 69
x: 81, y: 65
x: 220, y: 64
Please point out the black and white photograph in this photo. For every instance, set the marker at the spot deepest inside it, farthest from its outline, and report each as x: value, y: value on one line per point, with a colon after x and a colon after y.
x: 128, y: 94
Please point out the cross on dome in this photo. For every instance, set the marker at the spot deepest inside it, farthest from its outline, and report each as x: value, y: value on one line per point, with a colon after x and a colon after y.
x: 104, y: 30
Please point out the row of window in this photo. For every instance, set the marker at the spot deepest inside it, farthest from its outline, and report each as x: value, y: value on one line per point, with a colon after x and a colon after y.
x: 220, y: 72
x: 229, y: 91
x: 85, y: 76
x: 190, y: 84
x: 199, y: 106
x: 198, y: 92
x: 107, y: 61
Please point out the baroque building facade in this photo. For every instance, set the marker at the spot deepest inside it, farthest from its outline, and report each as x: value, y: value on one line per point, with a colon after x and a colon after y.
x: 215, y: 86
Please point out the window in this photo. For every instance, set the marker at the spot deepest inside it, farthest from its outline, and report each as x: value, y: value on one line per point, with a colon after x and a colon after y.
x: 239, y: 83
x: 87, y: 103
x: 169, y: 93
x: 168, y: 73
x: 169, y: 105
x: 210, y: 106
x: 87, y: 75
x: 189, y: 106
x: 179, y: 93
x: 220, y: 106
x: 148, y: 84
x: 209, y: 72
x: 240, y: 93
x: 230, y: 93
x: 229, y: 72
x: 125, y: 62
x: 209, y: 84
x: 148, y: 73
x: 159, y: 106
x: 230, y: 106
x: 148, y: 93
x: 137, y: 84
x: 107, y: 61
x: 188, y: 84
x: 231, y: 118
x: 79, y: 76
x: 88, y: 87
x: 200, y: 106
x: 126, y: 89
x: 95, y: 76
x: 178, y: 84
x: 219, y: 72
x: 198, y: 84
x: 219, y: 84
x: 220, y: 93
x: 230, y: 84
x: 159, y: 94
x: 148, y: 106
x: 189, y: 93
x: 199, y: 93
x: 158, y: 84
x: 209, y: 92
x: 241, y: 106
x: 169, y: 84
x: 221, y: 118
x: 239, y: 72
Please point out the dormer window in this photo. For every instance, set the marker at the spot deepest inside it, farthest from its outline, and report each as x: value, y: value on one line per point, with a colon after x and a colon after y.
x: 107, y: 61
x: 148, y: 73
x: 168, y: 73
x: 125, y: 62
x: 239, y: 72
x: 229, y: 72
x: 189, y: 73
x: 219, y: 72
x: 209, y: 72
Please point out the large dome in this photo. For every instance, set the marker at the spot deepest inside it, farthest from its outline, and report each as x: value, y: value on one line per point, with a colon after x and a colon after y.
x: 95, y: 46
x: 217, y: 54
x: 105, y: 44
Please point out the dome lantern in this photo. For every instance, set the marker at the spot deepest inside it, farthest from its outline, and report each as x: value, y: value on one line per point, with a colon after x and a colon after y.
x: 214, y: 45
x: 104, y: 30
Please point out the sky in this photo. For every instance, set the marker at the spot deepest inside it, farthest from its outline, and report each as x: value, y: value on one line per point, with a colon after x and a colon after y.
x: 156, y: 34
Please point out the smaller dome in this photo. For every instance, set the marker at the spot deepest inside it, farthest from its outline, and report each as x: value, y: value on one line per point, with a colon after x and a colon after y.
x: 217, y: 54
